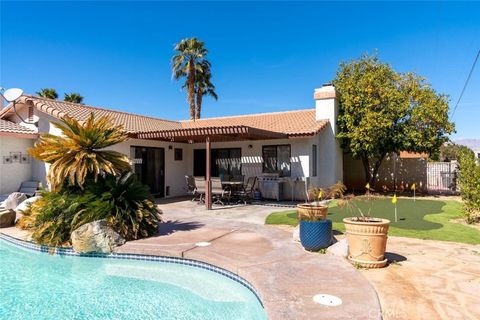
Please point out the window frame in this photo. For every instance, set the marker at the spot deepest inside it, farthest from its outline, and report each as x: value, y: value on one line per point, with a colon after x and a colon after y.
x: 276, y: 146
x: 178, y: 154
x: 314, y: 160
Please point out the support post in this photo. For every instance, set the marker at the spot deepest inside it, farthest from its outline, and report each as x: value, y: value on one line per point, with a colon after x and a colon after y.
x: 208, y: 182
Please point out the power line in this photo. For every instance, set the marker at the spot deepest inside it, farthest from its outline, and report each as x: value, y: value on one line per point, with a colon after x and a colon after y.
x: 466, y: 83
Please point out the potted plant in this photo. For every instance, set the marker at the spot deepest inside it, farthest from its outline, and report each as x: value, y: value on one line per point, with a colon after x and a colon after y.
x: 366, y: 235
x: 315, y: 228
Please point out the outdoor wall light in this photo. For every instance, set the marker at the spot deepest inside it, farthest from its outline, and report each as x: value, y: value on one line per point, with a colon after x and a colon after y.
x: 170, y: 147
x: 250, y: 146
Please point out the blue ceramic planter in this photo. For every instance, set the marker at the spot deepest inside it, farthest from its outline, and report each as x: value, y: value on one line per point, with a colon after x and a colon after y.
x: 315, y: 235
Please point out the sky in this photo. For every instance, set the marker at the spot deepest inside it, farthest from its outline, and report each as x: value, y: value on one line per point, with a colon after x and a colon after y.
x: 266, y: 56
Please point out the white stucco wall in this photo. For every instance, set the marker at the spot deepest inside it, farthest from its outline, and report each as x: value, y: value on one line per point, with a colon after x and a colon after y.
x: 12, y: 175
x: 329, y: 156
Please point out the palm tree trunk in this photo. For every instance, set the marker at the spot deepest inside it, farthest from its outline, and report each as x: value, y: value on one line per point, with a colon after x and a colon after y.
x: 191, y: 89
x: 199, y: 103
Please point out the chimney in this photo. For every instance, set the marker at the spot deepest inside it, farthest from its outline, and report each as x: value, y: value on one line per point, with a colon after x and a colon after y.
x: 326, y: 105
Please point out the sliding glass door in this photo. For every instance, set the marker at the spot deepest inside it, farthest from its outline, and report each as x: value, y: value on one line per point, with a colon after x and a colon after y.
x: 149, y: 166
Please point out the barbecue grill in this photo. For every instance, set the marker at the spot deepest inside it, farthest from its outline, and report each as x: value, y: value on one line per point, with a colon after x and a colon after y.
x: 272, y: 186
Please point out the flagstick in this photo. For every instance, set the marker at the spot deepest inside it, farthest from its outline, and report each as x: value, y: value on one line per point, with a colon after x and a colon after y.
x: 396, y: 220
x: 414, y: 194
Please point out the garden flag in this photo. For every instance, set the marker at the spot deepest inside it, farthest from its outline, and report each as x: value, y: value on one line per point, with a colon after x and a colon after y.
x: 394, y: 201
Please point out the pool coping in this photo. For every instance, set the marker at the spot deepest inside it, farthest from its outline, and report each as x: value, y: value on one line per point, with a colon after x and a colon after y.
x: 68, y: 251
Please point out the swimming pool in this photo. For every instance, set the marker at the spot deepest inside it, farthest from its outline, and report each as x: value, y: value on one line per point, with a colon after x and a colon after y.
x: 38, y: 285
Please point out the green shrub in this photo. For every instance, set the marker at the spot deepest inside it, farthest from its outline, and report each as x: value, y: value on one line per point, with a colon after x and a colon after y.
x: 469, y: 183
x: 125, y: 203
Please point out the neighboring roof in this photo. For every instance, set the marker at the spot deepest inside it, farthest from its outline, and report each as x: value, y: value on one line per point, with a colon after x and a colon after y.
x: 277, y: 125
x: 11, y: 127
x: 412, y: 155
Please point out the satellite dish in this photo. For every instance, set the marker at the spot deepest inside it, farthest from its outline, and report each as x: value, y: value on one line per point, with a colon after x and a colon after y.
x: 12, y: 94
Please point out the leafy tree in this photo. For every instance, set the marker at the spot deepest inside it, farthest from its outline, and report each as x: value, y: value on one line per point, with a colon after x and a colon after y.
x: 450, y: 151
x: 190, y: 59
x: 73, y: 97
x: 80, y: 151
x: 383, y: 111
x: 48, y: 93
x: 469, y: 182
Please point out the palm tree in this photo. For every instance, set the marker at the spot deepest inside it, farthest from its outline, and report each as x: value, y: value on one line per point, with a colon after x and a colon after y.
x: 203, y: 87
x: 49, y: 93
x: 188, y: 59
x: 73, y: 97
x: 80, y: 151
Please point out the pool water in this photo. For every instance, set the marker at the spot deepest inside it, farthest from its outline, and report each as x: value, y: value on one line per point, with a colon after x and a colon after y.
x: 36, y: 285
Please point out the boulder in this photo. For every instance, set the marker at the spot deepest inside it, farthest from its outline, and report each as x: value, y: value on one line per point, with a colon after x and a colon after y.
x: 340, y: 248
x: 7, y: 218
x: 14, y: 199
x: 96, y: 236
x: 24, y: 205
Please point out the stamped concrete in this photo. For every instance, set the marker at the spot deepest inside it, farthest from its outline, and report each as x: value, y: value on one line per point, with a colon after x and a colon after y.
x: 429, y: 280
x: 285, y: 276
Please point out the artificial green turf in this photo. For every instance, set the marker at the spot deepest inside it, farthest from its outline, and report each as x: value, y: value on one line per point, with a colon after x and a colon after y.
x: 423, y: 219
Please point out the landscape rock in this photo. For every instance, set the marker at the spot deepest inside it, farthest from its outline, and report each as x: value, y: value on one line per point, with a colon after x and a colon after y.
x: 7, y: 218
x: 14, y: 199
x: 24, y: 205
x: 96, y: 236
x: 340, y: 248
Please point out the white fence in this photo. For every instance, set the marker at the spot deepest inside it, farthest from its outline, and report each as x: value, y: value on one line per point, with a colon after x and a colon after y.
x: 441, y: 177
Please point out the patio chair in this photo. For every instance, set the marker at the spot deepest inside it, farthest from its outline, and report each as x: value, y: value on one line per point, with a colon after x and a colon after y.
x: 28, y: 188
x: 199, y: 188
x: 191, y: 188
x: 240, y: 178
x: 247, y: 191
x: 218, y: 192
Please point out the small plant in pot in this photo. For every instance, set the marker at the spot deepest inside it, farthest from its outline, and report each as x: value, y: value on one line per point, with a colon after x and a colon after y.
x: 366, y: 235
x: 315, y: 228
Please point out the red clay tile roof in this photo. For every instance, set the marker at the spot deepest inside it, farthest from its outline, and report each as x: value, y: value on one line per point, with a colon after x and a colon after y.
x: 290, y: 123
x: 11, y: 127
x: 131, y: 122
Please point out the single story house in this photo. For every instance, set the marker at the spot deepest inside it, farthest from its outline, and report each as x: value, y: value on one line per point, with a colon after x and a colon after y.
x: 297, y: 147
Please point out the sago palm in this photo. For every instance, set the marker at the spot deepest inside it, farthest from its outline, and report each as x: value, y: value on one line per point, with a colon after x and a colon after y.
x: 80, y: 151
x: 49, y: 93
x: 188, y: 60
x: 73, y: 97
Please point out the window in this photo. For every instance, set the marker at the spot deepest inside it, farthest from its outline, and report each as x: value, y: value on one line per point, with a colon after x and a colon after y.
x: 276, y: 159
x: 178, y: 154
x: 314, y: 160
x: 224, y: 162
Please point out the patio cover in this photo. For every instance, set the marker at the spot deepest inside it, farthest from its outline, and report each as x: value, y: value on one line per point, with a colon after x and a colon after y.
x: 208, y: 135
x: 216, y: 134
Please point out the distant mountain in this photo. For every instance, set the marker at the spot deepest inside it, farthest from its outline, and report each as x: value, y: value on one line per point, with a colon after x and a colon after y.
x: 471, y: 143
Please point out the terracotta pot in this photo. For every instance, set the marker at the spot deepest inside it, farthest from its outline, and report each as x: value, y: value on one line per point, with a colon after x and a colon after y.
x: 367, y: 242
x: 311, y: 210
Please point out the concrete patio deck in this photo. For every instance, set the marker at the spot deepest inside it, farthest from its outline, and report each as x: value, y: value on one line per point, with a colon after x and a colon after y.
x: 285, y: 276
